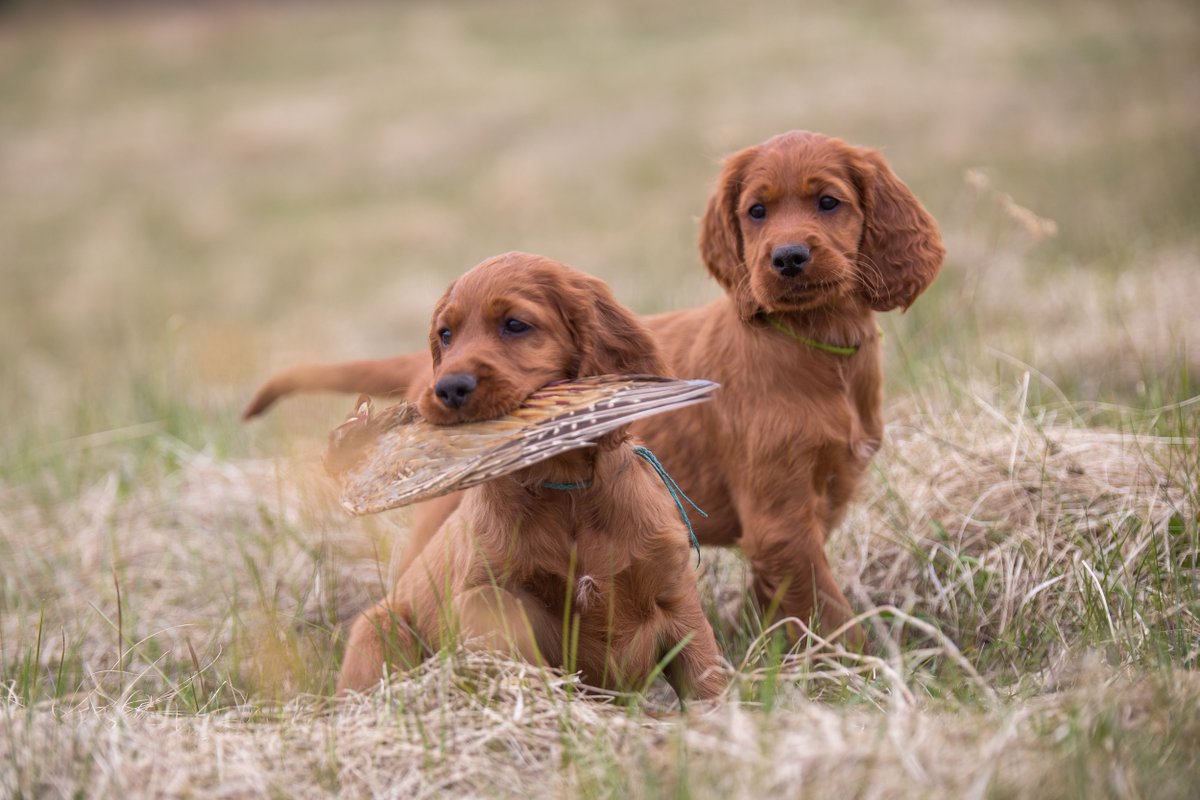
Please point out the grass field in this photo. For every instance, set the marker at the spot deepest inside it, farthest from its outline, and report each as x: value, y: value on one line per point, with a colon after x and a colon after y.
x: 192, y: 197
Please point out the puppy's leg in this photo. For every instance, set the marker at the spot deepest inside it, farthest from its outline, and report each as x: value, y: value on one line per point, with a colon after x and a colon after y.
x: 428, y: 517
x: 381, y: 639
x: 491, y: 618
x: 791, y: 572
x: 697, y: 670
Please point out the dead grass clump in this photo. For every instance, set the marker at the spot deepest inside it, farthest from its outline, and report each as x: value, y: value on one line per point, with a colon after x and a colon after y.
x: 219, y: 579
x: 1019, y: 533
x: 476, y: 725
x: 472, y: 724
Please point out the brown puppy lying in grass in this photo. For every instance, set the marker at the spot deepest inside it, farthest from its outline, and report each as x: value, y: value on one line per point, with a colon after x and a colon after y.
x: 580, y: 561
x: 809, y: 237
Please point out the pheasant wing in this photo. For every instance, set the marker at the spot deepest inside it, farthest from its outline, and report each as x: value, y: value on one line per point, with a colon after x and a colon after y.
x: 396, y: 458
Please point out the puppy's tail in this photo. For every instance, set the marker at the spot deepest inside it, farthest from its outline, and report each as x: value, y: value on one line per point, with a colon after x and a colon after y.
x: 381, y: 377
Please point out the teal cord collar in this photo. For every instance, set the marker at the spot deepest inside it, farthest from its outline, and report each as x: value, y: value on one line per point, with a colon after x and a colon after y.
x: 833, y: 349
x: 668, y: 481
x: 676, y: 493
x: 567, y: 487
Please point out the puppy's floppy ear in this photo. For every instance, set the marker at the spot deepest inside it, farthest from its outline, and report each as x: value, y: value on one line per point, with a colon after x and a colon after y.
x: 721, y: 244
x: 435, y: 341
x: 901, y: 248
x: 609, y: 339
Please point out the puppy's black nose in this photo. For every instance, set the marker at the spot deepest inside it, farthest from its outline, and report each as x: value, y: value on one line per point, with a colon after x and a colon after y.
x: 790, y: 259
x: 453, y: 390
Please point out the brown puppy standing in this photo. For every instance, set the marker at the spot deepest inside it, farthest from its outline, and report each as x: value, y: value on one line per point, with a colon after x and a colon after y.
x: 520, y: 554
x: 809, y: 237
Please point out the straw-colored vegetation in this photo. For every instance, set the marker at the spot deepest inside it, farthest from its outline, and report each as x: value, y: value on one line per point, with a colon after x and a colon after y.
x: 195, y: 196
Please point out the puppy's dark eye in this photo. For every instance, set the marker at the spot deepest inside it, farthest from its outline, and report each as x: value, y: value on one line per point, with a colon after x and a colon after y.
x: 757, y: 211
x: 444, y: 336
x: 513, y: 325
x: 828, y: 203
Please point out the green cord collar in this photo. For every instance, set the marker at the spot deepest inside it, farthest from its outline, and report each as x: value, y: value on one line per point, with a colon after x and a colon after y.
x: 833, y: 349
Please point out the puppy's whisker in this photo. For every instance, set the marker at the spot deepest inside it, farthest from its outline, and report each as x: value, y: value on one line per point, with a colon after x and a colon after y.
x: 867, y: 273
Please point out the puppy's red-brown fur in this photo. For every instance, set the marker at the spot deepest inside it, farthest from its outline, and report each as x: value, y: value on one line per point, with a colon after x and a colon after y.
x: 516, y: 558
x: 808, y: 234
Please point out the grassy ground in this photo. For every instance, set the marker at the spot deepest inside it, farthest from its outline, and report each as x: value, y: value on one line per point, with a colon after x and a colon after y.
x: 194, y: 197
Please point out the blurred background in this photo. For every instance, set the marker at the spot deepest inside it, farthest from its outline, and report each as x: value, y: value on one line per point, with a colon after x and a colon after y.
x: 195, y: 194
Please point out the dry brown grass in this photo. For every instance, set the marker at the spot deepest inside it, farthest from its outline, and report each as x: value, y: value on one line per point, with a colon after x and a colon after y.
x: 481, y: 727
x: 1034, y: 534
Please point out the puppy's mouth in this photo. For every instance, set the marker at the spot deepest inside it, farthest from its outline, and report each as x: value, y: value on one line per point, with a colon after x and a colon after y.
x: 472, y: 411
x: 492, y: 397
x: 809, y: 287
x: 798, y: 294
